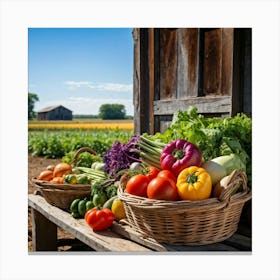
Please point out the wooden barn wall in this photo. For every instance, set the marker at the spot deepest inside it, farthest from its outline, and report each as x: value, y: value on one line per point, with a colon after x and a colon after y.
x: 175, y: 68
x: 59, y: 113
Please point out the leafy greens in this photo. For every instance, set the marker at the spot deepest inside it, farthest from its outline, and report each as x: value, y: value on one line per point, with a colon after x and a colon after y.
x: 214, y: 136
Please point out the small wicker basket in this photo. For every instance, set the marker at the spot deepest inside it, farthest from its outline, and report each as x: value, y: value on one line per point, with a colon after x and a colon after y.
x: 188, y: 222
x: 61, y: 195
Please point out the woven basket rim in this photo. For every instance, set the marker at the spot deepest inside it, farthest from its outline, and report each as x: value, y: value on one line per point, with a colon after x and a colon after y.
x: 47, y: 184
x: 64, y: 192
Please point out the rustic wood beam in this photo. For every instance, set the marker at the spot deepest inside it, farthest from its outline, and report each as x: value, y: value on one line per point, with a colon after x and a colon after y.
x: 213, y: 104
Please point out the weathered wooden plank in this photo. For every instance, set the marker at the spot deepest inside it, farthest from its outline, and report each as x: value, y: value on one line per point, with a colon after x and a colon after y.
x: 168, y: 63
x: 227, y: 61
x: 44, y: 233
x: 212, y: 64
x: 210, y: 104
x: 151, y: 79
x: 187, y: 72
x: 128, y: 232
x: 101, y: 241
x: 156, y: 64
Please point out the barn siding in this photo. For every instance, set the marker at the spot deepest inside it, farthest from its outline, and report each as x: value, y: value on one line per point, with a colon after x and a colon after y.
x: 57, y: 113
x: 177, y: 67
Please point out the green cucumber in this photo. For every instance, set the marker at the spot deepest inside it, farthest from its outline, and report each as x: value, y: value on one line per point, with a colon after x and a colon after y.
x: 109, y: 202
x: 82, y: 207
x: 74, y: 205
x: 89, y: 205
x: 99, y: 199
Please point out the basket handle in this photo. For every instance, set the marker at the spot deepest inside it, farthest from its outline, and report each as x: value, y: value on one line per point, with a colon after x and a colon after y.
x: 237, y: 178
x: 82, y: 150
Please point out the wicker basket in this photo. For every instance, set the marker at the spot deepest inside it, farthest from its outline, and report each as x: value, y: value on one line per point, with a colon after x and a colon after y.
x: 61, y: 195
x: 188, y: 222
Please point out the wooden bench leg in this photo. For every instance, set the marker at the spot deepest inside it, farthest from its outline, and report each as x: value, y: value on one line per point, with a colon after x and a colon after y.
x: 44, y: 233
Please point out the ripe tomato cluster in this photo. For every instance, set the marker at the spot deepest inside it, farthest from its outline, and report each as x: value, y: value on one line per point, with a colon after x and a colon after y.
x: 155, y: 184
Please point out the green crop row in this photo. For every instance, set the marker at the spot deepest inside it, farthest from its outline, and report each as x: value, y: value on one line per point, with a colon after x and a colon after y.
x: 57, y: 144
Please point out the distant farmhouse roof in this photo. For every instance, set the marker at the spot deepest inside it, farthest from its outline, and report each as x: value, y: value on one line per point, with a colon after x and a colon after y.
x: 50, y: 108
x: 57, y: 112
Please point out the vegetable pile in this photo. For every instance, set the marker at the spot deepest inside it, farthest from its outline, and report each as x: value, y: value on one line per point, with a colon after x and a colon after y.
x: 213, y: 136
x: 191, y: 160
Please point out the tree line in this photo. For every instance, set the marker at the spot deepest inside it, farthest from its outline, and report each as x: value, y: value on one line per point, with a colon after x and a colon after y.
x: 106, y: 111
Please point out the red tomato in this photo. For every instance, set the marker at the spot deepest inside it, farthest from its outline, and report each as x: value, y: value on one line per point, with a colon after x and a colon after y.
x: 99, y: 219
x: 162, y: 188
x: 152, y: 173
x: 137, y: 185
x: 168, y: 175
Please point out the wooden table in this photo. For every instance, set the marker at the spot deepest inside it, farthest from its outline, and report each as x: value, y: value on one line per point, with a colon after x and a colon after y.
x: 119, y: 238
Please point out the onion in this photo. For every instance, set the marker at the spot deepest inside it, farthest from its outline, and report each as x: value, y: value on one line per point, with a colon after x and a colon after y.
x: 220, y: 186
x: 50, y: 167
x: 222, y: 166
x: 215, y: 170
x: 135, y: 166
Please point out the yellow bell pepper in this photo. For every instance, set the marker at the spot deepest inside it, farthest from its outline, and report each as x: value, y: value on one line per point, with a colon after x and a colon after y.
x: 194, y: 183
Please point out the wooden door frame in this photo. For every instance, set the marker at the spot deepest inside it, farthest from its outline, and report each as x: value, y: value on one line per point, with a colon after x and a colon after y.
x: 146, y: 86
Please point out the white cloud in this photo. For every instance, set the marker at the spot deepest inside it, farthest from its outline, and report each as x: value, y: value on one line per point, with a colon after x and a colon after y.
x: 116, y: 87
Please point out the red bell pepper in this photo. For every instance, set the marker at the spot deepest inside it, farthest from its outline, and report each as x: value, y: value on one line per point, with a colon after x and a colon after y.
x: 180, y: 154
x: 99, y: 219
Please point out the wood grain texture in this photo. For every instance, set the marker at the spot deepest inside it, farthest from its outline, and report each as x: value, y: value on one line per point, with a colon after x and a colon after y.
x: 44, y: 233
x: 168, y: 63
x: 227, y: 61
x: 210, y: 104
x: 212, y: 64
x: 236, y: 243
x: 174, y: 65
x: 101, y: 241
x: 187, y: 71
x: 151, y: 63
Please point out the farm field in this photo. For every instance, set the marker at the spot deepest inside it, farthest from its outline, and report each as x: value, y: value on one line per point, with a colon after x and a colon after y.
x: 53, y: 139
x: 82, y: 124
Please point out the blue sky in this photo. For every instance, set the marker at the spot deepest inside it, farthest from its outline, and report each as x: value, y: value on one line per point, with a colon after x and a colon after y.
x: 81, y: 68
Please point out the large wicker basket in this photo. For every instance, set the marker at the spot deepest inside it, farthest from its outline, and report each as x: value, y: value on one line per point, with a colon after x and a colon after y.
x: 61, y: 195
x: 188, y: 222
